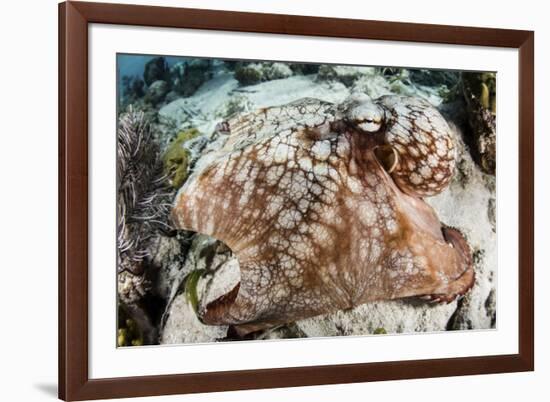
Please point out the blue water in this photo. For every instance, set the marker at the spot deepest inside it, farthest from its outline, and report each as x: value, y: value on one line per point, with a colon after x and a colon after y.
x: 133, y: 65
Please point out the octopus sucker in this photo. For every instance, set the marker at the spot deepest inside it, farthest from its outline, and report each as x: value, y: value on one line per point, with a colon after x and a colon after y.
x: 322, y: 205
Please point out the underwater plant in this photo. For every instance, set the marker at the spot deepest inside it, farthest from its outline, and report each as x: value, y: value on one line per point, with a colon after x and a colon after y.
x: 144, y: 201
x: 144, y: 196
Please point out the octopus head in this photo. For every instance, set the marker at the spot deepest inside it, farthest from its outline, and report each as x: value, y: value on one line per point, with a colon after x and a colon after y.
x: 408, y: 136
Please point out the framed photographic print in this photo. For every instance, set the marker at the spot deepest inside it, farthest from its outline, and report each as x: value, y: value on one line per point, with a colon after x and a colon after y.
x: 259, y: 200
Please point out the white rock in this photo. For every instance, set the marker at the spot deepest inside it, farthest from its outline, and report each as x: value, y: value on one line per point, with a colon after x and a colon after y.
x: 183, y: 326
x: 278, y: 71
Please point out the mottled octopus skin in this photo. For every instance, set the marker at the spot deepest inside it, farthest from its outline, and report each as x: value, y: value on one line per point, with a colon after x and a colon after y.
x: 315, y: 220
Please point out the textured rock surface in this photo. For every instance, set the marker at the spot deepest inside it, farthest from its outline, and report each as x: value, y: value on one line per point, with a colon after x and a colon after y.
x: 187, y: 77
x: 347, y: 75
x: 156, y: 92
x: 254, y: 73
x: 479, y: 94
x: 155, y: 69
x: 183, y: 326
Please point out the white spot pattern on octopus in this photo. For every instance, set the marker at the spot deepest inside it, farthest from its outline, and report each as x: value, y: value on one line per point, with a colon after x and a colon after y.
x: 354, y: 185
x: 321, y: 150
x: 425, y: 171
x: 316, y: 189
x: 283, y: 153
x: 289, y: 218
x: 432, y: 161
x: 367, y: 213
x: 303, y: 205
x: 275, y: 204
x: 273, y: 174
x: 423, y: 123
x: 416, y: 178
x: 320, y: 169
x: 413, y: 151
x: 439, y: 176
x: 305, y: 163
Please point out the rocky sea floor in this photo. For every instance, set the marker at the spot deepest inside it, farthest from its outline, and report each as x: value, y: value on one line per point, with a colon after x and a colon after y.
x: 180, y: 271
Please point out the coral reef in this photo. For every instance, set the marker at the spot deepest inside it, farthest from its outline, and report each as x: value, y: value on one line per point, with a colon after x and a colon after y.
x: 156, y: 92
x: 305, y: 68
x: 128, y: 332
x: 143, y: 202
x: 161, y: 84
x: 155, y: 70
x: 427, y: 77
x: 254, y: 73
x: 187, y: 77
x: 347, y: 75
x: 249, y: 75
x: 132, y: 89
x: 479, y: 91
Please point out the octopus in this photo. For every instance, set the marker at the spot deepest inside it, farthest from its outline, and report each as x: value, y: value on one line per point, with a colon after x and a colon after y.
x: 323, y: 206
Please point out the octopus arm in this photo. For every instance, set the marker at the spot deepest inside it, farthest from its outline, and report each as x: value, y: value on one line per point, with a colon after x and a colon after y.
x: 424, y: 257
x: 269, y: 122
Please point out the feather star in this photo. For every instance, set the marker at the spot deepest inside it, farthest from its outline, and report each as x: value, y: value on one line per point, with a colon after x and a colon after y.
x: 322, y: 205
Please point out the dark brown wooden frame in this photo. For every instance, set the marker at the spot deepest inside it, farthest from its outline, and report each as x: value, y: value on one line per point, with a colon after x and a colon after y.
x: 74, y: 17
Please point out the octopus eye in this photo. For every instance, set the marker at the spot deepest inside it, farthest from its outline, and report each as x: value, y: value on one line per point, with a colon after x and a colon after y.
x: 366, y: 116
x: 369, y: 125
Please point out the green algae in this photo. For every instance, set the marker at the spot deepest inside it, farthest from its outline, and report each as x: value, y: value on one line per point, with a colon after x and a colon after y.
x: 128, y: 333
x: 191, y: 288
x: 176, y: 158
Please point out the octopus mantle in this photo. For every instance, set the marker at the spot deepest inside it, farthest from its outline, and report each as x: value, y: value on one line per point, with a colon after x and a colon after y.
x: 322, y: 205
